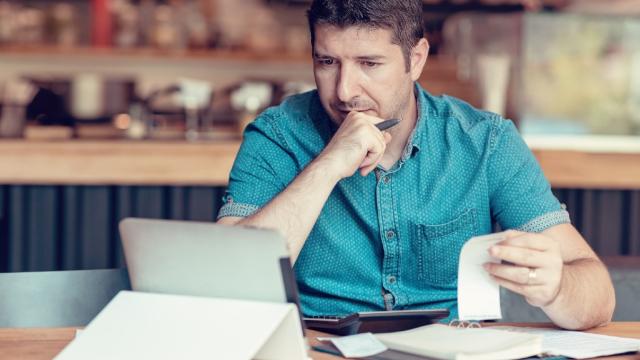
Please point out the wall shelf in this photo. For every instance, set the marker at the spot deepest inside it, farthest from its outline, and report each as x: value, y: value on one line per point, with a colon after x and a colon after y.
x: 88, y: 52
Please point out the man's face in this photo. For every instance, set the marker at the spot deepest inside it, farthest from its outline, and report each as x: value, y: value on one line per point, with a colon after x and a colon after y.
x: 359, y: 69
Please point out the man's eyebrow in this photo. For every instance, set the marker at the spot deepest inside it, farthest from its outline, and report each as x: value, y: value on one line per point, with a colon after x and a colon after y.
x: 361, y: 58
x: 320, y: 55
x: 371, y: 57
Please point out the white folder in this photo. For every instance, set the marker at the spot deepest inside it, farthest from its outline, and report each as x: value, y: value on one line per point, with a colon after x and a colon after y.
x: 137, y: 325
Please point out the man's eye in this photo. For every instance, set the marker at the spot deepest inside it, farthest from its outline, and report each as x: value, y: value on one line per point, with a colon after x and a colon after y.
x: 370, y: 63
x: 325, y: 61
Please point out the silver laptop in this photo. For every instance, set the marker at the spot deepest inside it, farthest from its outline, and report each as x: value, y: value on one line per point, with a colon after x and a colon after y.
x: 207, y: 259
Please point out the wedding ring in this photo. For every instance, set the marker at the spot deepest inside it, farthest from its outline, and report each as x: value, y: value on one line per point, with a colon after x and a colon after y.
x: 532, y: 275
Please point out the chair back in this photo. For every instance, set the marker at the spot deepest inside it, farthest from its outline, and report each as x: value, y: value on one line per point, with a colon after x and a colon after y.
x: 57, y: 298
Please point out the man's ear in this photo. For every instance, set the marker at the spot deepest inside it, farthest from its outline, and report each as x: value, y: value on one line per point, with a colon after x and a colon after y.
x: 418, y: 56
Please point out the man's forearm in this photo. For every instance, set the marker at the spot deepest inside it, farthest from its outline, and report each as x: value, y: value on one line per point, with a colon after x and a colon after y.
x: 295, y: 210
x: 357, y: 145
x: 586, y: 298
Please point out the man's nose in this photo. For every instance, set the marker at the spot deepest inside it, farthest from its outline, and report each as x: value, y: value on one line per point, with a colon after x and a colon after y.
x: 348, y: 85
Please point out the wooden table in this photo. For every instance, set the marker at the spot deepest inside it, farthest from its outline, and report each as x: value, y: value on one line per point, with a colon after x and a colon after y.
x: 36, y: 344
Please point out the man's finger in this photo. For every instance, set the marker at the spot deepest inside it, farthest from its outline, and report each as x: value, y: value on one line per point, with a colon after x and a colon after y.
x: 369, y: 159
x: 387, y: 137
x: 365, y: 170
x: 375, y: 151
x: 534, y: 295
x: 513, y: 233
x: 370, y: 163
x: 515, y: 287
x: 519, y: 256
x: 516, y: 274
x: 525, y: 240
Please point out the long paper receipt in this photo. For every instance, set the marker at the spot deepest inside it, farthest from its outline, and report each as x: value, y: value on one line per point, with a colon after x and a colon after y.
x: 478, y: 294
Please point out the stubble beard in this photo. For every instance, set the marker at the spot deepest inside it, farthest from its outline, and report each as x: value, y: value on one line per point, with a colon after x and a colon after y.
x: 400, y: 106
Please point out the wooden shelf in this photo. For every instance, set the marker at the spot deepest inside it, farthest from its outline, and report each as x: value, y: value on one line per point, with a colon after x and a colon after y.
x: 144, y: 53
x: 209, y: 163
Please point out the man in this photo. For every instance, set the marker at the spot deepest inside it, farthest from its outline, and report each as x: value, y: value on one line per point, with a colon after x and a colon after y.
x: 390, y: 236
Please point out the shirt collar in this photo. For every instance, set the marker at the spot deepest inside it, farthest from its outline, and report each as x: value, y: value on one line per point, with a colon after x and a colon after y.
x: 422, y: 105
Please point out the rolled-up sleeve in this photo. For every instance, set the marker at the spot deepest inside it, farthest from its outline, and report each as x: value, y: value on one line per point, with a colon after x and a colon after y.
x: 521, y: 196
x: 261, y: 170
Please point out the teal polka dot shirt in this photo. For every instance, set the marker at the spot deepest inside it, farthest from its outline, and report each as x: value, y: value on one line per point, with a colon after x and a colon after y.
x: 392, y: 239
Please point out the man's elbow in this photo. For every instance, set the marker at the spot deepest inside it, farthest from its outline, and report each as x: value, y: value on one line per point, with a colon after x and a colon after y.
x: 594, y: 304
x: 609, y: 306
x: 601, y: 317
x: 229, y: 220
x: 601, y: 313
x: 597, y: 317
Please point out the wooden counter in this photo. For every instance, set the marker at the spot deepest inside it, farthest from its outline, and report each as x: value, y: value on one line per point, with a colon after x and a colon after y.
x: 116, y: 162
x: 586, y: 170
x: 209, y: 163
x: 588, y: 161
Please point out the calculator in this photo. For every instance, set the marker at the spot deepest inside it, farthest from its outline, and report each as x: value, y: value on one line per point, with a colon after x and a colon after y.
x: 374, y: 321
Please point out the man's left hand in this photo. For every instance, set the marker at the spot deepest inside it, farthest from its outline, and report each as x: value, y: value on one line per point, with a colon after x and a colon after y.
x: 534, y: 267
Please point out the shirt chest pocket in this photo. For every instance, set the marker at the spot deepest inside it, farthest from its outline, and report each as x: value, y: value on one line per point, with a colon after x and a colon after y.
x: 439, y: 246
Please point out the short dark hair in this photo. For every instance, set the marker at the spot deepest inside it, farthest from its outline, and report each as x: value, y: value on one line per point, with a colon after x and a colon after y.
x: 402, y: 17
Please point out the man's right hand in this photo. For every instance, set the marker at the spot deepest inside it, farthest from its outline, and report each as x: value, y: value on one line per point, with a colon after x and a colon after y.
x: 358, y: 144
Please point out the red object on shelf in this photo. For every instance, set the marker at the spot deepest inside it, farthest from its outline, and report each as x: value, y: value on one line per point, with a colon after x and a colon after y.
x: 100, y: 23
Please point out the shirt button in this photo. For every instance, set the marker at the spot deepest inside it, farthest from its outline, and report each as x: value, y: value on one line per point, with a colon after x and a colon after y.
x: 390, y: 234
x: 391, y: 279
x: 386, y: 179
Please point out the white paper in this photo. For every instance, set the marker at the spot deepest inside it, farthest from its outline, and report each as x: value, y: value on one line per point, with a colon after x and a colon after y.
x: 578, y: 345
x: 136, y: 325
x: 355, y: 346
x: 478, y: 294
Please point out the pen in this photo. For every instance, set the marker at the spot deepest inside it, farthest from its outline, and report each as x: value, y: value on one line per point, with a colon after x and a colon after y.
x: 387, y: 124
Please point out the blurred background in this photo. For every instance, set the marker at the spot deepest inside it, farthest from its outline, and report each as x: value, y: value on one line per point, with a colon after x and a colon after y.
x: 116, y: 108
